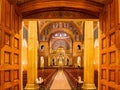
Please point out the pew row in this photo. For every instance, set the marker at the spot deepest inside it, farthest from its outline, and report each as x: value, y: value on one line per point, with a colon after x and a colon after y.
x: 72, y: 75
x: 47, y: 75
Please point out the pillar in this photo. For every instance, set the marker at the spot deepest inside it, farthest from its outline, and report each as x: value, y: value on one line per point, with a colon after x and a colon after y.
x: 32, y: 57
x: 88, y: 57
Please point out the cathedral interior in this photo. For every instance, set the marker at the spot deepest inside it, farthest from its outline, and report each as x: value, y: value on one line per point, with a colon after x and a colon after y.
x: 59, y: 45
x: 60, y: 42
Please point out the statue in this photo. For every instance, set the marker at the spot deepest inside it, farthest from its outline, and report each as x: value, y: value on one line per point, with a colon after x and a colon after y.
x: 42, y: 61
x: 79, y: 61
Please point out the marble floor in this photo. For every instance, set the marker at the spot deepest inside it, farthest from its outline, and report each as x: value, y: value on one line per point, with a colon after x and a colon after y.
x: 60, y: 82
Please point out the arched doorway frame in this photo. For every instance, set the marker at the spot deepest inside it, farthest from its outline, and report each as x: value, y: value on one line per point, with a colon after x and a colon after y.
x: 90, y: 11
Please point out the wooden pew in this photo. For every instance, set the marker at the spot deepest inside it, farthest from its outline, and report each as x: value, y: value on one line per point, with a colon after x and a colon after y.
x: 73, y: 73
x: 24, y: 78
x: 46, y: 74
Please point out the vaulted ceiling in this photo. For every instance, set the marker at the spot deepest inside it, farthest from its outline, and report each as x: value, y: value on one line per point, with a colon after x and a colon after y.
x: 57, y: 8
x: 47, y: 29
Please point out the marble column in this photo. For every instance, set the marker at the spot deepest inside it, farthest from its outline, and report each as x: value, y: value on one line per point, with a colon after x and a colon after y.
x: 88, y: 57
x: 32, y: 57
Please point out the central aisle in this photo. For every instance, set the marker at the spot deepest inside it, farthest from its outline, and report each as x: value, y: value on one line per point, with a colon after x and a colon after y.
x: 60, y: 82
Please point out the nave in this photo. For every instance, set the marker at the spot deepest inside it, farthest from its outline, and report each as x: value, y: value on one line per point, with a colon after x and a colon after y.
x: 60, y: 82
x: 58, y: 79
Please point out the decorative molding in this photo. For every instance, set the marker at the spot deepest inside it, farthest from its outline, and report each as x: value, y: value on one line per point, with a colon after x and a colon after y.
x: 78, y: 5
x: 59, y: 15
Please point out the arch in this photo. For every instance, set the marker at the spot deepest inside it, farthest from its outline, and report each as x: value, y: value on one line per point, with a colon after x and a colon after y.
x: 61, y: 24
x: 62, y: 42
x: 79, y: 47
x: 42, y: 47
x: 78, y: 5
x: 69, y: 46
x: 53, y: 61
x: 61, y: 30
x: 68, y: 61
x: 68, y: 27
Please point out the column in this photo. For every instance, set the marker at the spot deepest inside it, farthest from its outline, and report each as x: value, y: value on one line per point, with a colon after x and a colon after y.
x: 88, y: 57
x: 32, y: 57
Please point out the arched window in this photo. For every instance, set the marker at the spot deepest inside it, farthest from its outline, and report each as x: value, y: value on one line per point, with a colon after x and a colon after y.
x: 42, y: 47
x: 79, y: 47
x: 67, y: 61
x: 53, y: 61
